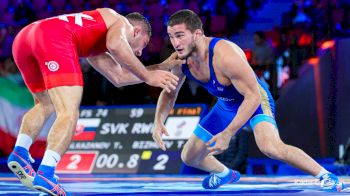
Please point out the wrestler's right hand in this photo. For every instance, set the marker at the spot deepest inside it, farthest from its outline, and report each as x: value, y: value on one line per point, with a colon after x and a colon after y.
x: 163, y: 79
x: 172, y: 61
x: 158, y: 130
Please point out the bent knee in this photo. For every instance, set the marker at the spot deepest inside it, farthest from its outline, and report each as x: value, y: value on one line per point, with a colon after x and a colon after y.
x: 44, y: 108
x: 68, y: 115
x: 48, y: 109
x: 274, y: 151
x: 187, y: 159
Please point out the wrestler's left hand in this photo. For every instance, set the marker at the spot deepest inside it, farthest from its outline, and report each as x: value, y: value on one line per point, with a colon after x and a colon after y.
x: 219, y: 143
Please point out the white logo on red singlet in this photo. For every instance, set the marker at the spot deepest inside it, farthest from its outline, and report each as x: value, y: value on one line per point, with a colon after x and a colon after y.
x: 78, y: 18
x: 52, y: 65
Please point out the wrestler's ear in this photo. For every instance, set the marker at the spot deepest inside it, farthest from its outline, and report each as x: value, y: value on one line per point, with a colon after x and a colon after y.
x: 197, y: 33
x: 137, y: 30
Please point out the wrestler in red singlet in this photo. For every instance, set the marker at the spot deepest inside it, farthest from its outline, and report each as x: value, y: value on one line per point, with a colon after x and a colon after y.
x: 47, y: 51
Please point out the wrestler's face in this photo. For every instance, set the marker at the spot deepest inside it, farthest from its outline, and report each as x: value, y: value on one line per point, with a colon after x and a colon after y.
x: 139, y: 41
x: 182, y: 39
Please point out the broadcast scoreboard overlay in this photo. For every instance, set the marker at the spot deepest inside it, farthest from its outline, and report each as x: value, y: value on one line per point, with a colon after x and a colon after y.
x: 119, y: 140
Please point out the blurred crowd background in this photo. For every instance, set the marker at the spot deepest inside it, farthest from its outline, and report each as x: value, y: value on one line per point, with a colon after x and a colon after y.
x: 275, y: 53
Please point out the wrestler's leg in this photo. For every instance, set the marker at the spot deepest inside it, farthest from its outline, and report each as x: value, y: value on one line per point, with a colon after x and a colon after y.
x: 269, y: 142
x: 195, y: 154
x: 35, y: 118
x: 66, y: 100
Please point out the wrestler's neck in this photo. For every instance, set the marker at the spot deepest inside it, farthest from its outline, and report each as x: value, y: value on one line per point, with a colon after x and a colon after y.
x: 200, y: 52
x: 130, y: 36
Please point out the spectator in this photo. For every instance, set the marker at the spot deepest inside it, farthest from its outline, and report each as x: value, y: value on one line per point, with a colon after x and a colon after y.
x: 11, y: 72
x: 7, y: 36
x: 4, y: 4
x: 229, y: 9
x: 58, y: 7
x: 263, y: 60
x: 23, y: 13
x: 77, y: 5
x: 40, y: 9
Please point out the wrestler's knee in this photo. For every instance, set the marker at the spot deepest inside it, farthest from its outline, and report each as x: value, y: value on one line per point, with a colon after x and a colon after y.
x: 274, y: 150
x: 188, y: 159
x: 48, y: 109
x: 68, y: 115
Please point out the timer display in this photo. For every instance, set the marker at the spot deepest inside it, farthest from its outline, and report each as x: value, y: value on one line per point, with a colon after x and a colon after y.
x: 119, y: 140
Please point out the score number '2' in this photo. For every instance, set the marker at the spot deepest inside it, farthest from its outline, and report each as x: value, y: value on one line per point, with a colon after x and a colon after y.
x: 111, y: 161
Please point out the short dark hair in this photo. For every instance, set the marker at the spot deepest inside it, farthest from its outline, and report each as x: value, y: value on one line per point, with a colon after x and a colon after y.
x: 136, y: 17
x: 187, y: 17
x: 260, y: 34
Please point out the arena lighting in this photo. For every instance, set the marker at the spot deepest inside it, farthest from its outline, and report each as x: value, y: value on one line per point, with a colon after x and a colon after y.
x: 327, y: 44
x: 314, y: 61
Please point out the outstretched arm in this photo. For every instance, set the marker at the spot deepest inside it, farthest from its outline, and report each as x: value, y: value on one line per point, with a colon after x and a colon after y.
x: 165, y: 103
x: 117, y: 44
x: 120, y: 76
x: 168, y: 64
x: 112, y: 70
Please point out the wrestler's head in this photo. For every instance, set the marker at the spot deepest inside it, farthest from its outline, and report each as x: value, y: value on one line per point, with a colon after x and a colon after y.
x: 142, y: 32
x: 184, y: 29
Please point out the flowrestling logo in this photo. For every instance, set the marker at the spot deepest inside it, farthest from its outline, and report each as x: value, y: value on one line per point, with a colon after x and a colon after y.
x: 52, y: 65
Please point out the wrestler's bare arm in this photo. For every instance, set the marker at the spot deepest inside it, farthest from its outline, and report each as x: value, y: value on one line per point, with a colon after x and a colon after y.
x: 112, y: 70
x: 118, y: 75
x: 165, y: 103
x: 167, y: 100
x: 234, y: 65
x: 118, y: 46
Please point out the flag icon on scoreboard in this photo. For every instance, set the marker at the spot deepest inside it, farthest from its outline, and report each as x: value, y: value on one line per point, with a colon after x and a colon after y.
x: 86, y: 129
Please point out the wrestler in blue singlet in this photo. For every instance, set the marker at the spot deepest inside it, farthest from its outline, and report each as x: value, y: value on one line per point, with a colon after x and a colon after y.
x: 229, y: 99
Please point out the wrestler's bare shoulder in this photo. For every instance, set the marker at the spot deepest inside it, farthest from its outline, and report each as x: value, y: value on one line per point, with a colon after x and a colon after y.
x: 110, y: 16
x: 225, y: 47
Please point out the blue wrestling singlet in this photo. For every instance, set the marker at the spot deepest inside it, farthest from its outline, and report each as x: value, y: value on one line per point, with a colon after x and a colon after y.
x: 229, y: 99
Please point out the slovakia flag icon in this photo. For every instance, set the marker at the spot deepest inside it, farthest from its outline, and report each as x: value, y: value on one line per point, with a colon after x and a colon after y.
x: 86, y: 129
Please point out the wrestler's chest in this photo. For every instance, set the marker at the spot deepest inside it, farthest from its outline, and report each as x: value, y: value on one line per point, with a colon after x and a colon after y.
x: 202, y: 73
